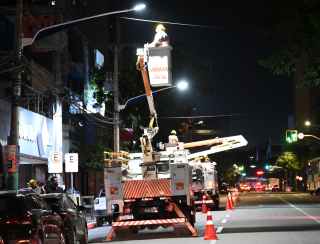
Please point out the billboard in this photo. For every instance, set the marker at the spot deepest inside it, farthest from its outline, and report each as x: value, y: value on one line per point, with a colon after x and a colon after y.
x: 159, y: 66
x: 35, y: 134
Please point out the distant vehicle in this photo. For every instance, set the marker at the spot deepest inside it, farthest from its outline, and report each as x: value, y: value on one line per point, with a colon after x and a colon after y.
x: 259, y: 187
x: 100, y: 209
x: 273, y: 184
x: 253, y: 184
x: 28, y: 219
x: 74, y: 220
x: 244, y: 187
x: 224, y: 188
x: 275, y: 188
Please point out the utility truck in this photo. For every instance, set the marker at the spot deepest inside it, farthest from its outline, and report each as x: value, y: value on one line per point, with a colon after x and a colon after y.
x: 156, y: 188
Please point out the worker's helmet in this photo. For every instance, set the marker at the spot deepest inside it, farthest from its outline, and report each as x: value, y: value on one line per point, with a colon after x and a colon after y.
x: 160, y: 27
x: 173, y: 132
x: 32, y: 183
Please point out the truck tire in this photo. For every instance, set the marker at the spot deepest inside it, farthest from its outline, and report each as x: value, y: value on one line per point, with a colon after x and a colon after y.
x: 99, y: 221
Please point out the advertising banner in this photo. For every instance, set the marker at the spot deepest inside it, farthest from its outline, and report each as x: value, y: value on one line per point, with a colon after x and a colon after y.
x: 11, y: 158
x: 35, y: 134
x: 159, y: 66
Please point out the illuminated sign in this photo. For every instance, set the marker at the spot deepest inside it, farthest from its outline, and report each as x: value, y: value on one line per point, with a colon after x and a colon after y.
x: 159, y: 66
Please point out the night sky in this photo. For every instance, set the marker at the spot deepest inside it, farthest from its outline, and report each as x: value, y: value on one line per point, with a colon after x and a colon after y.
x: 232, y: 81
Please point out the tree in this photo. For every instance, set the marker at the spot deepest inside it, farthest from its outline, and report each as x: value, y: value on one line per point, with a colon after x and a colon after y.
x: 290, y: 163
x: 296, y: 29
x: 231, y: 175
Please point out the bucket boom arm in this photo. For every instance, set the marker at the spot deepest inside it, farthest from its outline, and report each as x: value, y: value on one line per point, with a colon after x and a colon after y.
x: 151, y: 130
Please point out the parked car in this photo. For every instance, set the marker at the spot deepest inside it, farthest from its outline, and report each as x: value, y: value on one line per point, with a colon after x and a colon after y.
x: 100, y: 209
x: 74, y: 219
x: 275, y: 188
x: 26, y: 218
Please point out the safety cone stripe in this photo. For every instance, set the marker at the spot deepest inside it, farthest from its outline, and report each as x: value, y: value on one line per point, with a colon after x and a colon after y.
x: 209, y: 222
x: 91, y: 225
x: 149, y: 222
x: 201, y: 202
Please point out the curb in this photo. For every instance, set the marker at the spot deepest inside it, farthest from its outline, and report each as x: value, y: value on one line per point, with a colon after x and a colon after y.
x: 91, y: 225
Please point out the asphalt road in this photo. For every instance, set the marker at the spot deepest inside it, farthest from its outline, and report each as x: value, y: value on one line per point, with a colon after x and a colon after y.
x: 259, y: 218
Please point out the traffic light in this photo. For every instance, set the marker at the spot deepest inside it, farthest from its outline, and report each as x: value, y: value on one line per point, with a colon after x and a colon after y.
x: 260, y: 172
x: 267, y: 166
x: 291, y: 136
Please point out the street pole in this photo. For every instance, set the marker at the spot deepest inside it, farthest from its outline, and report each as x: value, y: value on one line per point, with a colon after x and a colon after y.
x: 12, y: 176
x: 116, y: 127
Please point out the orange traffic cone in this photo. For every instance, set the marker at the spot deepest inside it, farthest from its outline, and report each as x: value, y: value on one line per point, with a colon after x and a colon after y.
x: 210, y: 231
x: 204, y: 208
x: 229, y: 205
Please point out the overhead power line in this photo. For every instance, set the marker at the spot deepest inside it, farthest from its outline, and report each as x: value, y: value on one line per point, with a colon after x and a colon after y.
x: 200, y: 116
x: 174, y: 23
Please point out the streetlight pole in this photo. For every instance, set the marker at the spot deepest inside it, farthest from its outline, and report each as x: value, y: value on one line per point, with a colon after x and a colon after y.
x: 12, y: 173
x: 12, y: 150
x: 182, y: 85
x: 116, y: 127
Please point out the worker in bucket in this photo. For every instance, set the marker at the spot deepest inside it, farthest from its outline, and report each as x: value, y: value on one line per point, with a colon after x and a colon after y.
x: 173, y: 139
x: 161, y: 38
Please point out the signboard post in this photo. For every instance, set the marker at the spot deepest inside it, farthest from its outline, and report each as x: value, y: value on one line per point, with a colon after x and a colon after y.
x: 55, y: 163
x: 72, y: 165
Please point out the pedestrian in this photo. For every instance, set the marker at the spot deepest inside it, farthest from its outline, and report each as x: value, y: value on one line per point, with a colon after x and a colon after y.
x: 52, y: 185
x: 33, y: 186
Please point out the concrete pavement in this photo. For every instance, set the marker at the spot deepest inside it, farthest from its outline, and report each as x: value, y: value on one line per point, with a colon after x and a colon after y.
x: 293, y: 218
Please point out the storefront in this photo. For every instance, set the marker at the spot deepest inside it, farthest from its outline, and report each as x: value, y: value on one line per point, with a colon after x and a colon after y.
x: 35, y: 142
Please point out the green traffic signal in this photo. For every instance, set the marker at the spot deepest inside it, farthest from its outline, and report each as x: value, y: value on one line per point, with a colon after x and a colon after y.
x: 291, y: 136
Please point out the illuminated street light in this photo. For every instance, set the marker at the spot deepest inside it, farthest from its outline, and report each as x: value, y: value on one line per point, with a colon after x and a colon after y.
x: 307, y: 123
x: 300, y: 136
x: 139, y: 7
x: 181, y: 85
x: 60, y: 26
x: 252, y: 166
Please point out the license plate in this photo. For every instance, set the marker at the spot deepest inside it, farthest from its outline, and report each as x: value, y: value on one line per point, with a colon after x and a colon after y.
x: 151, y: 210
x: 126, y: 217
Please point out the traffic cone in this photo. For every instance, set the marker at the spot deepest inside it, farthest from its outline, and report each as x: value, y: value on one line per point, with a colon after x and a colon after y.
x: 204, y: 208
x: 229, y: 205
x: 210, y: 231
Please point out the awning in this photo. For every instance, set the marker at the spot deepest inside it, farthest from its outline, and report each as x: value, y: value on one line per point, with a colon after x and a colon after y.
x: 27, y: 159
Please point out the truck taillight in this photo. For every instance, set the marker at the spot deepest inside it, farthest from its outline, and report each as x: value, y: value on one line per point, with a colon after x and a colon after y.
x: 179, y: 186
x: 113, y: 190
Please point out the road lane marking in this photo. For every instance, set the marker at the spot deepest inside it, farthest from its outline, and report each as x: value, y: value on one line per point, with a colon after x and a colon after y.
x: 227, y: 215
x: 219, y: 229
x: 300, y: 210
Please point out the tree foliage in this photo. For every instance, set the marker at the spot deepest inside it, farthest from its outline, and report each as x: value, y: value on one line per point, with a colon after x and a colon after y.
x: 296, y: 33
x: 231, y: 175
x: 289, y: 161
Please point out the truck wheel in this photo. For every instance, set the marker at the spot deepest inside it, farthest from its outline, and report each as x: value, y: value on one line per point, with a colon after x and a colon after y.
x: 99, y: 221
